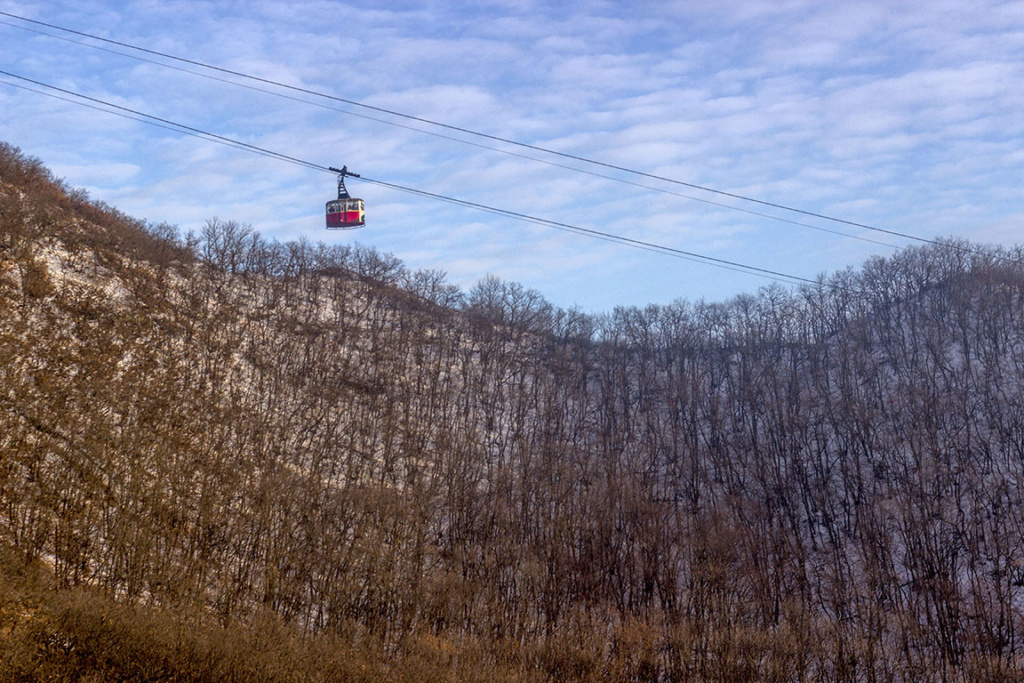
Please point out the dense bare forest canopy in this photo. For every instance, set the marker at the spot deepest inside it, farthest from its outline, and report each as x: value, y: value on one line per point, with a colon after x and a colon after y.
x: 821, y: 483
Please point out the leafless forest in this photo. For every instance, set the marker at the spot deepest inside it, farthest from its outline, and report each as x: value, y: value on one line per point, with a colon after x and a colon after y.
x: 364, y: 473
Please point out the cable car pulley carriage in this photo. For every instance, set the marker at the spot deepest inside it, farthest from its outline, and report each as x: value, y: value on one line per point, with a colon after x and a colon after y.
x: 346, y: 212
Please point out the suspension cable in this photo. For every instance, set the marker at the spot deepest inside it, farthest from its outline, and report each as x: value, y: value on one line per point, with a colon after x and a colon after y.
x: 598, y: 234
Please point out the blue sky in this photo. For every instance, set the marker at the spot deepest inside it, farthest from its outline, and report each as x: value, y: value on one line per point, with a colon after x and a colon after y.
x: 903, y: 116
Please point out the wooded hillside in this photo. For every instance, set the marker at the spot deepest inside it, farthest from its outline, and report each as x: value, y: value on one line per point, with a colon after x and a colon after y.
x: 808, y: 484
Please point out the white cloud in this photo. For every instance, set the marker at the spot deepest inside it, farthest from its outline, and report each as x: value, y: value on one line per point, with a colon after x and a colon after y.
x: 902, y: 114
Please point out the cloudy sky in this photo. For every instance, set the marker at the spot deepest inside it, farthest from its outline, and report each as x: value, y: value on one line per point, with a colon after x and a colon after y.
x: 903, y: 116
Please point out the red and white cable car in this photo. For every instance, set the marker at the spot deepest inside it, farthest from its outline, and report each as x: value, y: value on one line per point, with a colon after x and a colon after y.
x: 345, y: 212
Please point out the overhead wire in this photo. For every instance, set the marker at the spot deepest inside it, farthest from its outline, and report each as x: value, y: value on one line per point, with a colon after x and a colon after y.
x: 166, y: 123
x: 125, y: 115
x: 547, y: 162
x: 143, y: 117
x: 537, y: 148
x: 650, y: 246
x: 503, y: 140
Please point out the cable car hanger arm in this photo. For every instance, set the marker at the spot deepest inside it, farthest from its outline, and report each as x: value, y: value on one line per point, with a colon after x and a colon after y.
x: 345, y: 212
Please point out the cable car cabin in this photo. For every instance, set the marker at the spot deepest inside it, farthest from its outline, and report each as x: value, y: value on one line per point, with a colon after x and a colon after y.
x: 345, y: 212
